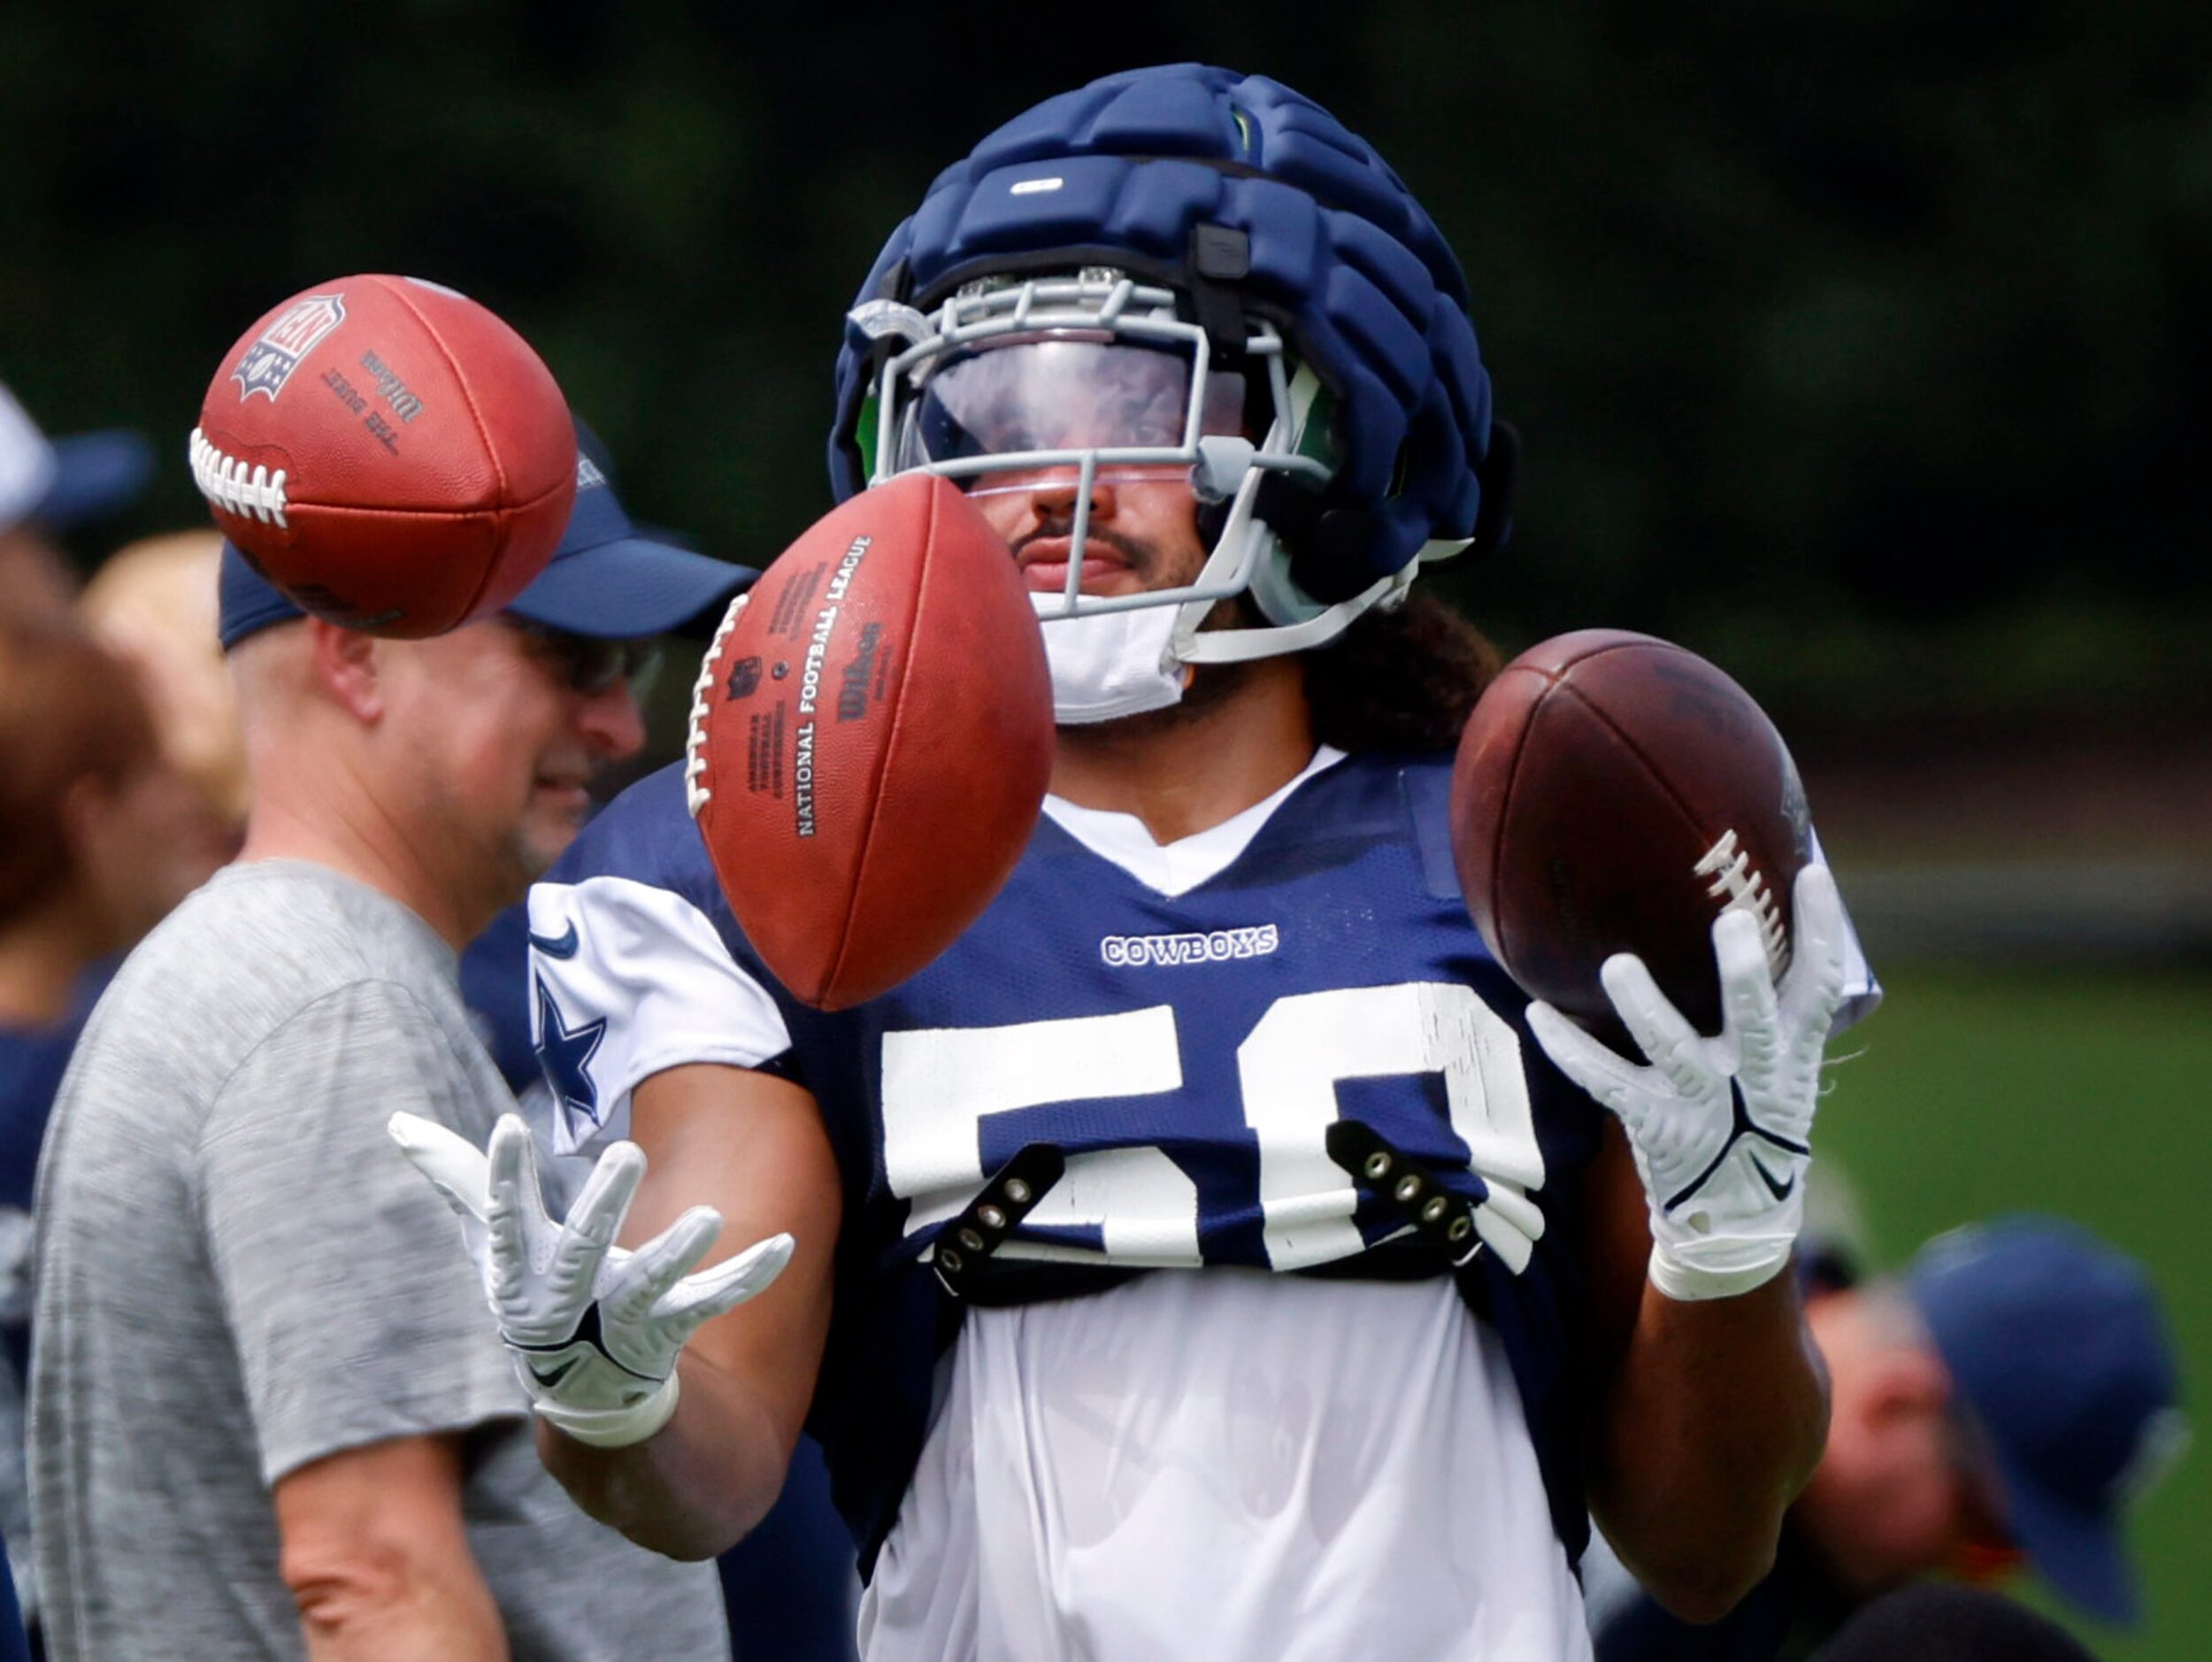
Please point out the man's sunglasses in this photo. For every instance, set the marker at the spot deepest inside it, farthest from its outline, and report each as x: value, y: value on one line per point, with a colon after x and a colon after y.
x: 587, y: 664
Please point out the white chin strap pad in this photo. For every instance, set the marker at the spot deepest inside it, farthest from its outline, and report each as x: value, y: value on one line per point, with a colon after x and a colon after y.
x: 1108, y: 664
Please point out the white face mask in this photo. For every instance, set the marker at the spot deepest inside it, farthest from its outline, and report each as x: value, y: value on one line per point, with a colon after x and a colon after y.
x: 1108, y: 664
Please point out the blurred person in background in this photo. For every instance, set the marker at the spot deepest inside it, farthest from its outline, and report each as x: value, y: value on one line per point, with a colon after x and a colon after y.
x: 99, y: 837
x: 48, y: 486
x: 153, y: 605
x: 2000, y: 1402
x: 250, y: 1323
x: 1941, y: 1621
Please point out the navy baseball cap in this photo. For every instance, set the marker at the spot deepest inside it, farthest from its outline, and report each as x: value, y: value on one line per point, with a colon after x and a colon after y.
x: 2057, y: 1349
x: 68, y: 481
x: 609, y: 579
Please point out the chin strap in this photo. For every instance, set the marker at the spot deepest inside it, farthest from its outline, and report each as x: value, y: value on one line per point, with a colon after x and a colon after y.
x: 1191, y: 645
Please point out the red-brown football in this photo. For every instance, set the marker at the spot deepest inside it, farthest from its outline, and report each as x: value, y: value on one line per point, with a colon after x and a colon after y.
x: 390, y: 453
x: 1614, y: 793
x: 871, y: 739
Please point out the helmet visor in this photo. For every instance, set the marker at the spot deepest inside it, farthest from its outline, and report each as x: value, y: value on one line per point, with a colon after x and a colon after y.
x: 1062, y: 396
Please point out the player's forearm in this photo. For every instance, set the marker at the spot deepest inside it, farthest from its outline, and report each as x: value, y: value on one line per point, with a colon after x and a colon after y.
x: 695, y: 1486
x: 1716, y: 1417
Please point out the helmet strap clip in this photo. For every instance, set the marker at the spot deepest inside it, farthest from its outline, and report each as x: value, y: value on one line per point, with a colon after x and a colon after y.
x: 1224, y: 459
x: 1219, y: 254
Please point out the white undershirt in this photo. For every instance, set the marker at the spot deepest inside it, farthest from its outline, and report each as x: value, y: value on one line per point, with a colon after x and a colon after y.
x: 1177, y: 867
x: 1226, y: 1463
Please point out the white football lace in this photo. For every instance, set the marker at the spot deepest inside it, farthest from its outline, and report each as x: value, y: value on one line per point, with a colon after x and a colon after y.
x: 228, y: 482
x: 696, y: 795
x: 1746, y: 890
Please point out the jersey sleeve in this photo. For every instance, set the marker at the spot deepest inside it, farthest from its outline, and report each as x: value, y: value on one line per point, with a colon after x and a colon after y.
x: 628, y: 978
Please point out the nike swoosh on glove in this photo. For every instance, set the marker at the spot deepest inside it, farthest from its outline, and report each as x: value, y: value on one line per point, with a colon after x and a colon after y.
x: 594, y: 1329
x: 1720, y: 1128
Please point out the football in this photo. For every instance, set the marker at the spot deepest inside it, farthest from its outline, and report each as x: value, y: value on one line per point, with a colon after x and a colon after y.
x: 390, y: 453
x: 871, y: 738
x: 1615, y: 793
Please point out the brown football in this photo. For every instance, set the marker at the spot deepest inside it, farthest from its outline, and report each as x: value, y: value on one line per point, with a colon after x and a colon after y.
x: 389, y: 453
x: 1615, y: 793
x: 871, y: 738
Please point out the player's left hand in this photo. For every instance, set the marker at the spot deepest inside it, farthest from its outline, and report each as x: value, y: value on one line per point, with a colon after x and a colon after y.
x: 594, y: 1329
x: 1720, y: 1128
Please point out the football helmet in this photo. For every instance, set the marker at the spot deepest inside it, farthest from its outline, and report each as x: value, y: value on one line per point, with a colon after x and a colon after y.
x: 1185, y: 273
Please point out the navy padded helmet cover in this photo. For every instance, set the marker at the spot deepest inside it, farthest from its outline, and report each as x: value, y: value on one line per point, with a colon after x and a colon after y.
x: 1343, y: 260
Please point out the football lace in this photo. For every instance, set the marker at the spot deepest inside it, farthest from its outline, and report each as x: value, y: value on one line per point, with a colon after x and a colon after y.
x: 1746, y: 890
x: 228, y: 483
x: 696, y: 795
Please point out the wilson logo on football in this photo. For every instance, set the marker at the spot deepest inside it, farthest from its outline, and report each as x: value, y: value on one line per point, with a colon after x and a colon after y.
x: 280, y: 347
x: 1218, y: 947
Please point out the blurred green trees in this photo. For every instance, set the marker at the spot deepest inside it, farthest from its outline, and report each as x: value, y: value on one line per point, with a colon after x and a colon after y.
x: 1841, y: 335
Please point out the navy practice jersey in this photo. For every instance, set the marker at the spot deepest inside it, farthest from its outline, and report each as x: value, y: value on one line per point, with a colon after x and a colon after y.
x: 1188, y: 1054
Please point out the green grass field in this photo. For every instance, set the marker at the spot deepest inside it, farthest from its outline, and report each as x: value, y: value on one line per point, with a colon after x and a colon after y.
x: 1978, y: 1091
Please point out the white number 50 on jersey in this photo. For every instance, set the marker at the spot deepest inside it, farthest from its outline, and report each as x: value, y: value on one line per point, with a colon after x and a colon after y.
x: 939, y: 1083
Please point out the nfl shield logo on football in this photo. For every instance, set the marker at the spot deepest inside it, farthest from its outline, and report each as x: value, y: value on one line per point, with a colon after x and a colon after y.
x: 269, y: 362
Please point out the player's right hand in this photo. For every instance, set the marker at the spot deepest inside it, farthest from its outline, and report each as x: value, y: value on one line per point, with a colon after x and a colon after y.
x: 595, y: 1328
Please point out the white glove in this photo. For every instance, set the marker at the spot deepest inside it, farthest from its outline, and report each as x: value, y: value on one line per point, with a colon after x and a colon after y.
x: 1720, y: 1126
x: 594, y: 1327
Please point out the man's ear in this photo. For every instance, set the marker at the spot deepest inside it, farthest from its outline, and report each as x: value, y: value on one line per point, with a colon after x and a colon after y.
x: 348, y: 667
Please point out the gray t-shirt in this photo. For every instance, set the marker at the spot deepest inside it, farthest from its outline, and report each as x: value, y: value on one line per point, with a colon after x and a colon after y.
x: 239, y: 1273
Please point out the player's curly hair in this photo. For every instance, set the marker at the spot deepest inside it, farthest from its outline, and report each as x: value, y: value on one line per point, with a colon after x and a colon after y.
x: 1400, y: 680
